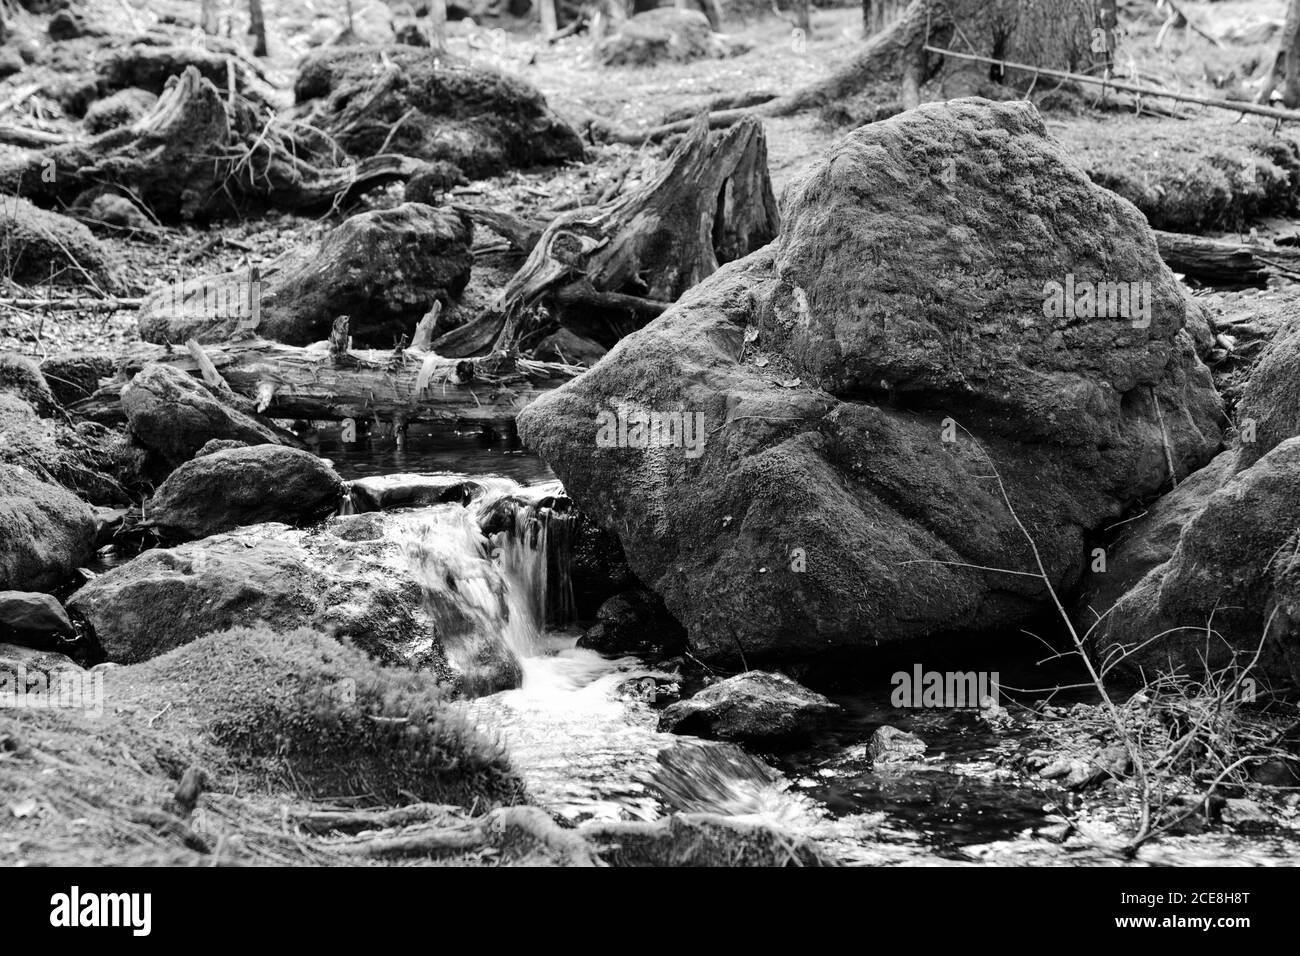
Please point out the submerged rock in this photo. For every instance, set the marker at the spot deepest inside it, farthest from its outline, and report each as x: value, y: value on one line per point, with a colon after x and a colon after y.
x: 477, y: 118
x: 891, y: 745
x: 634, y: 622
x: 175, y: 415
x: 750, y: 706
x: 384, y: 492
x: 228, y: 488
x: 383, y: 268
x: 797, y: 456
x: 46, y: 532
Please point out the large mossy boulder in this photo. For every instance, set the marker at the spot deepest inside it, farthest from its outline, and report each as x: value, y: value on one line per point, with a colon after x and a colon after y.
x: 1214, y: 565
x: 802, y: 455
x: 384, y: 268
x: 434, y: 107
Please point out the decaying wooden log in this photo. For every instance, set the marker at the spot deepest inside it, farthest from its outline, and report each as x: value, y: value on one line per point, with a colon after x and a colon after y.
x: 318, y: 382
x: 1220, y: 262
x: 711, y: 203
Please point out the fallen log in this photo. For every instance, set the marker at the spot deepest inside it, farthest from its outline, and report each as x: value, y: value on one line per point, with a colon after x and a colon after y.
x: 1220, y: 262
x: 710, y: 203
x: 318, y: 382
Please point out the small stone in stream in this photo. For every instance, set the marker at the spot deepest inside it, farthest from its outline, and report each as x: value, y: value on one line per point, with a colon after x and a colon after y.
x: 634, y: 622
x: 384, y: 492
x: 1055, y: 832
x: 175, y: 415
x: 566, y: 346
x: 891, y: 745
x: 368, y: 526
x: 754, y: 705
x: 243, y: 486
x: 33, y: 620
x: 643, y: 689
x: 219, y: 444
x: 1245, y: 814
x: 118, y: 109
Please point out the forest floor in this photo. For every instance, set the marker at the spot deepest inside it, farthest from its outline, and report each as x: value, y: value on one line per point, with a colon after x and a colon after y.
x: 638, y: 97
x: 1159, y: 155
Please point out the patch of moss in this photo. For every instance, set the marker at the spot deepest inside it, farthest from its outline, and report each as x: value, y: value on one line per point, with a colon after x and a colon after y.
x: 318, y: 717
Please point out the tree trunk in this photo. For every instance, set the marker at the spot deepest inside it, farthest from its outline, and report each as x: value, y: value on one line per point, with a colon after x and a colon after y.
x: 320, y: 383
x: 712, y: 9
x: 802, y: 11
x: 438, y: 25
x: 257, y: 27
x: 1290, y: 55
x: 549, y: 22
x: 711, y: 203
x: 208, y: 20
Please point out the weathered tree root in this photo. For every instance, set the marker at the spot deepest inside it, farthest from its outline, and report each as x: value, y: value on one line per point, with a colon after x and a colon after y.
x: 198, y: 154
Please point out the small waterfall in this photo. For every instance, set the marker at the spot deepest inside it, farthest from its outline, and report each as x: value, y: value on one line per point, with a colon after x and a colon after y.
x: 494, y: 575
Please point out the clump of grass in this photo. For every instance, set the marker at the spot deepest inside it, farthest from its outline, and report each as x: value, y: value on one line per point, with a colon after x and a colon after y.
x: 319, y: 718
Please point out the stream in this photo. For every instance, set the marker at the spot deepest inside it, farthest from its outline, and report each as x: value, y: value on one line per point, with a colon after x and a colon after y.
x: 581, y: 728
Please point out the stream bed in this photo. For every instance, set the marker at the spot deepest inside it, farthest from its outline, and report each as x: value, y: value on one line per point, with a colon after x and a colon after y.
x: 582, y: 732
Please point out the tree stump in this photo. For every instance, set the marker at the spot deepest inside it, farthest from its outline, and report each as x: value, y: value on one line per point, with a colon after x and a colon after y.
x: 711, y: 203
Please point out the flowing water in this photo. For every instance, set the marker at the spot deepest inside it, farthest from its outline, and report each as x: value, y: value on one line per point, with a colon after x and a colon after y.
x: 580, y: 727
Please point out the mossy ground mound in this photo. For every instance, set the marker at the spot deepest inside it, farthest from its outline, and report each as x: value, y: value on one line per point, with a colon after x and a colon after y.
x: 1210, y: 174
x: 274, y: 721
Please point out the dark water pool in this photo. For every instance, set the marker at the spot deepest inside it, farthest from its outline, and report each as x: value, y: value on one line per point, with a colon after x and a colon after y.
x: 474, y: 451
